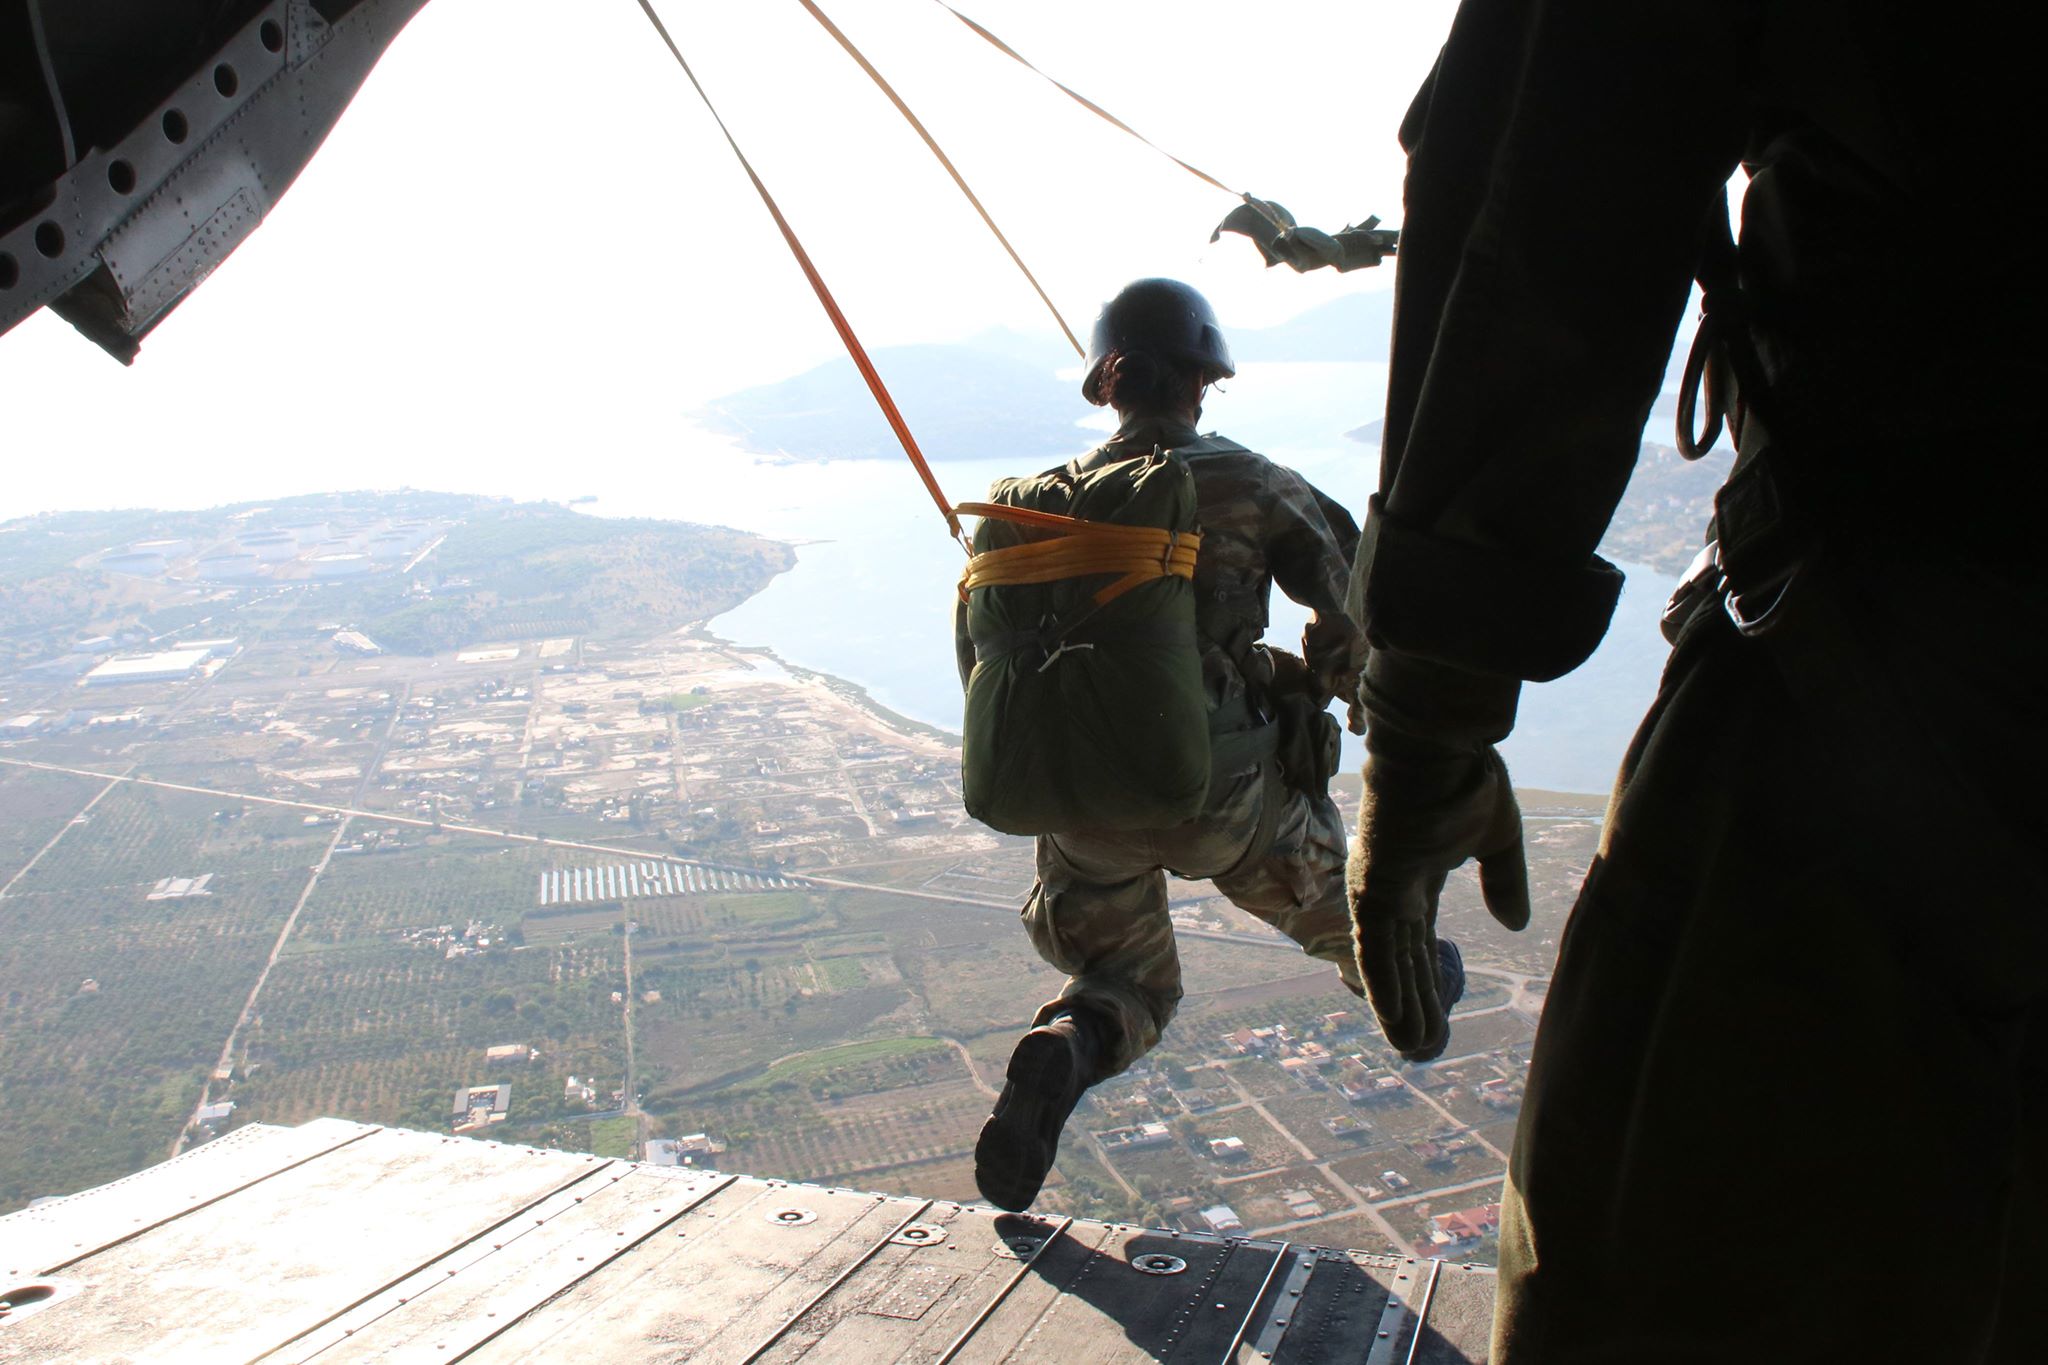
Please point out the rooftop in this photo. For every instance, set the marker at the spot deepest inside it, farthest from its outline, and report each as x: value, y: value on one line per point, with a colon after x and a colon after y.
x: 164, y: 663
x: 344, y: 1241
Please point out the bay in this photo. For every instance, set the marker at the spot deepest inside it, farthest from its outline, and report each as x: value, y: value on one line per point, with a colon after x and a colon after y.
x: 871, y: 597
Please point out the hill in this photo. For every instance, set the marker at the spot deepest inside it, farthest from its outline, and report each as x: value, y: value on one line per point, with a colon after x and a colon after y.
x: 965, y: 401
x: 494, y: 565
x: 1356, y: 327
x: 996, y: 393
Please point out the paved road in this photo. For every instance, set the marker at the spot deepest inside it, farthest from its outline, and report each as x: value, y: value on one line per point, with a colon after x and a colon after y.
x: 509, y: 836
x: 629, y: 1103
x: 65, y: 828
x: 227, y: 1049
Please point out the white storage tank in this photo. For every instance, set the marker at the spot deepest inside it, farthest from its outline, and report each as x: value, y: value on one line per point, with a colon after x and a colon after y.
x: 345, y: 564
x: 226, y: 568
x: 136, y: 563
x: 270, y: 547
x: 170, y: 547
x: 306, y: 532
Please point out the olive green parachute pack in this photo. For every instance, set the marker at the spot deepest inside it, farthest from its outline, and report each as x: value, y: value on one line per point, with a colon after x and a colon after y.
x: 1085, y: 705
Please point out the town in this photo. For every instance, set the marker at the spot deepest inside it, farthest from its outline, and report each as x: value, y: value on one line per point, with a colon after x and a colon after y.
x: 655, y: 894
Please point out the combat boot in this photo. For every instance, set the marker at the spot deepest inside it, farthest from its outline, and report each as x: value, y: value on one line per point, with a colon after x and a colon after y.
x: 1050, y: 1068
x: 1450, y: 988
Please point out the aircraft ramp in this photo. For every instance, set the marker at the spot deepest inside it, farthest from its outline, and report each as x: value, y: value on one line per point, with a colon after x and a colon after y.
x: 338, y: 1241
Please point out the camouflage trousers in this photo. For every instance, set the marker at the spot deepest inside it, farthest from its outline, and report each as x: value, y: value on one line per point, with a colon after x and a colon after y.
x: 1098, y: 911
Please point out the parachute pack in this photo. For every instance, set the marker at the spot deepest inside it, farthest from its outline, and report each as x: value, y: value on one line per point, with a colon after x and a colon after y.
x: 1085, y: 705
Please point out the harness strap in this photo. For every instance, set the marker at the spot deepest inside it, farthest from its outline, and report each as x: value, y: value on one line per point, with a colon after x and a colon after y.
x: 1078, y: 548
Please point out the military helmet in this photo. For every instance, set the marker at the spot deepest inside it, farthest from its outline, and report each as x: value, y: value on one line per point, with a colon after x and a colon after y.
x: 1164, y: 318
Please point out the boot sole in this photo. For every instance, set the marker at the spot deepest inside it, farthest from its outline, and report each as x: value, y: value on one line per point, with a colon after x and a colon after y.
x: 1021, y: 1138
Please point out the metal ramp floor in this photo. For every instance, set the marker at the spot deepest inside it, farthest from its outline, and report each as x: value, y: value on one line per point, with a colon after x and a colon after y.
x: 338, y: 1241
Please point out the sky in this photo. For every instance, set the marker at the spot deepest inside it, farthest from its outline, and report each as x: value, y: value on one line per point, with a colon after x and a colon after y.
x: 526, y: 249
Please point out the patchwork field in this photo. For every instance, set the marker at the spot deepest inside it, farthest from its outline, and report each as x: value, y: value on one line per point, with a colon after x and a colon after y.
x: 851, y: 1037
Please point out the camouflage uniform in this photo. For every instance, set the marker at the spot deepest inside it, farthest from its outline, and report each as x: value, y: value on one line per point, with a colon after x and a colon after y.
x: 1098, y: 911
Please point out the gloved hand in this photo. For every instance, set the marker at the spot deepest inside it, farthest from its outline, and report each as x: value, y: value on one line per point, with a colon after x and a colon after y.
x: 1334, y: 649
x: 1429, y: 806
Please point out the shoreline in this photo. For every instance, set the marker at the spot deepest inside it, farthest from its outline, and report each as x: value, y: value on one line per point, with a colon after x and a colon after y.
x: 847, y: 689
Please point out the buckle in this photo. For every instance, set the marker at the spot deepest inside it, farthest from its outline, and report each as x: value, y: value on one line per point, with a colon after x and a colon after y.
x: 1750, y: 622
x: 1703, y: 579
x: 1752, y: 611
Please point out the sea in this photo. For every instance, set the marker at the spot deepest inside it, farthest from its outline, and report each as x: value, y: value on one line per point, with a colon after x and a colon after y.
x: 871, y: 596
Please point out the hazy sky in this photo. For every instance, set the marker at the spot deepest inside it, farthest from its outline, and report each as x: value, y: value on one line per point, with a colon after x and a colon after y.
x: 525, y: 248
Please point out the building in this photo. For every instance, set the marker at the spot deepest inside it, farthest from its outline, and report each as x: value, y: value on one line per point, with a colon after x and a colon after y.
x: 1229, y: 1149
x: 217, y: 1112
x: 1135, y: 1138
x: 355, y: 642
x: 682, y: 1151
x: 1301, y: 1204
x: 1464, y: 1226
x: 169, y: 665
x: 177, y: 888
x: 505, y: 1052
x: 1222, y: 1218
x: 479, y: 1106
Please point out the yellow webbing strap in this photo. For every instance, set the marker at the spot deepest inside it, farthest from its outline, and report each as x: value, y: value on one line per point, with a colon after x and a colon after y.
x: 1077, y: 548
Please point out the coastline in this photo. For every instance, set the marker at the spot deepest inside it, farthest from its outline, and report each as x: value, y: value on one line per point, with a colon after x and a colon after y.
x: 846, y: 688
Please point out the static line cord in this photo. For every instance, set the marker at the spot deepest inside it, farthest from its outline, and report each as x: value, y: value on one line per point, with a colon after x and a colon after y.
x: 1092, y: 107
x: 803, y: 259
x: 945, y: 161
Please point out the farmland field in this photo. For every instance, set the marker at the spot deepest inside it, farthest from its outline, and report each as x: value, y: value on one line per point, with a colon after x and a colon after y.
x: 116, y: 1005
x: 851, y: 1037
x: 34, y: 806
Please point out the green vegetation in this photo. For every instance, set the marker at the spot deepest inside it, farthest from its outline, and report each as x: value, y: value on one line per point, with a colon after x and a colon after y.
x: 818, y: 1034
x: 848, y: 1066
x: 504, y: 570
x: 532, y: 569
x: 114, y: 1006
x: 33, y: 807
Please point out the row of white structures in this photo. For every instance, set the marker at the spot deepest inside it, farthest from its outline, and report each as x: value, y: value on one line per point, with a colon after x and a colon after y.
x: 628, y: 881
